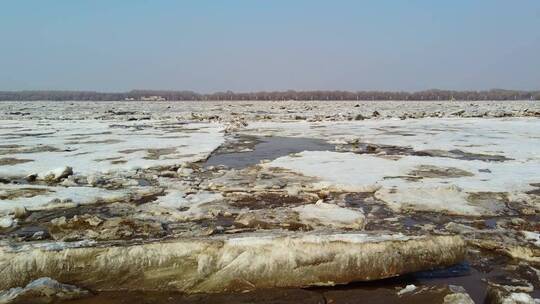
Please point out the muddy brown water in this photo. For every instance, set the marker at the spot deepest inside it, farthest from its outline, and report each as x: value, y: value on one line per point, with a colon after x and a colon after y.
x: 287, y: 296
x: 268, y: 148
x: 432, y: 286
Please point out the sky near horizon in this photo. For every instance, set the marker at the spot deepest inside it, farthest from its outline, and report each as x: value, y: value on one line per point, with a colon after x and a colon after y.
x: 253, y: 45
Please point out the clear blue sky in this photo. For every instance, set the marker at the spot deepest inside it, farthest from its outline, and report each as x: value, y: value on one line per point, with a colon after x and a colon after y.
x: 116, y: 45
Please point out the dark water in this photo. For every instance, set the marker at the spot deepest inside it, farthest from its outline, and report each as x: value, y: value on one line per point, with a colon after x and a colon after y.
x: 268, y: 148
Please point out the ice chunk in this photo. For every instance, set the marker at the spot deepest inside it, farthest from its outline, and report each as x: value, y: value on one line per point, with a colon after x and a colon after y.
x: 44, y: 290
x: 331, y: 215
x: 224, y: 264
x: 36, y: 197
x: 55, y: 174
x: 409, y: 288
x: 6, y: 221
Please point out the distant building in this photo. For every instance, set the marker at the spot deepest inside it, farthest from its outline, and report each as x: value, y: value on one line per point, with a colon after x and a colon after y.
x: 153, y: 98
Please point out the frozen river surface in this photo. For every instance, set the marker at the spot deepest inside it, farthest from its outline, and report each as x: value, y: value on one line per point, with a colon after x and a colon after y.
x: 196, y: 203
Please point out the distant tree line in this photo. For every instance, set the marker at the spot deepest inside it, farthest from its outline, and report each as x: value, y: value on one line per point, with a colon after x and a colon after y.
x: 495, y: 94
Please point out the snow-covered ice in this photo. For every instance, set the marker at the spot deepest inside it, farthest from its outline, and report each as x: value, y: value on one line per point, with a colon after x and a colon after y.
x: 90, y: 146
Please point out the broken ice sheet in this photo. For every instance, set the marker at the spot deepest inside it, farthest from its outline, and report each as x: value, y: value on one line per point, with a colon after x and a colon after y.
x: 91, y: 146
x: 178, y: 205
x: 513, y: 138
x: 395, y: 182
x: 38, y: 197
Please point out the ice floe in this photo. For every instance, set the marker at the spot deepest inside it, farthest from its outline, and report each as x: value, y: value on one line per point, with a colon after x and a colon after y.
x: 36, y: 197
x: 398, y: 181
x: 513, y: 138
x: 330, y: 215
x: 233, y: 264
x: 103, y: 146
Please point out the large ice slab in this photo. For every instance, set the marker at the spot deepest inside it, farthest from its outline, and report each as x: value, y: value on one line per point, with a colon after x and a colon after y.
x: 39, y: 197
x: 90, y: 146
x: 233, y: 264
x: 513, y: 138
x: 424, y: 183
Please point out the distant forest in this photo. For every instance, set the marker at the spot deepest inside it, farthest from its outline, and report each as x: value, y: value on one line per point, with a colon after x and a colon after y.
x: 136, y: 95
